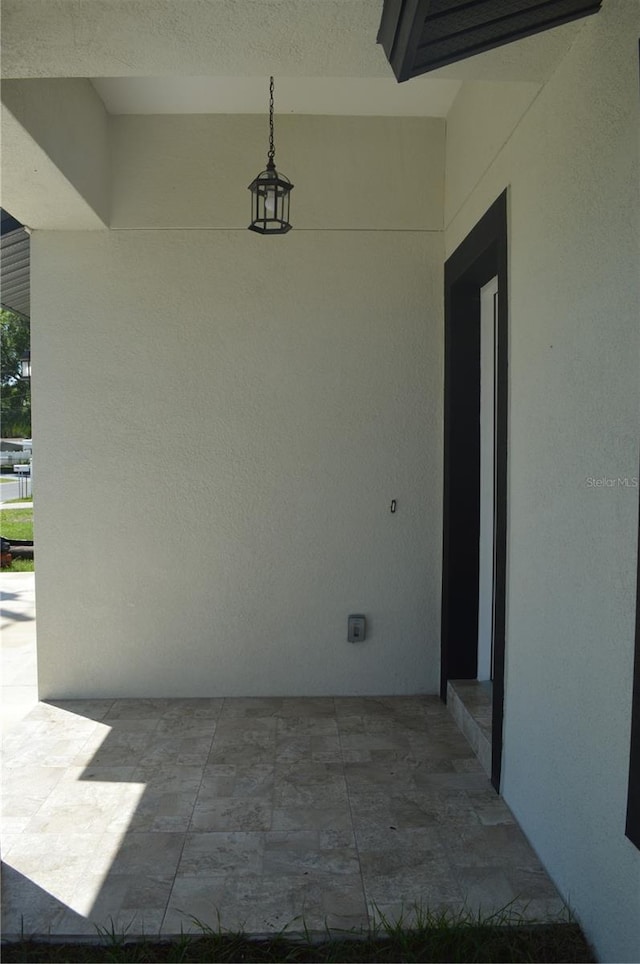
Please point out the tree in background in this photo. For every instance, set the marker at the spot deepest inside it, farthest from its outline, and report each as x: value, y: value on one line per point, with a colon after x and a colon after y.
x: 15, y: 403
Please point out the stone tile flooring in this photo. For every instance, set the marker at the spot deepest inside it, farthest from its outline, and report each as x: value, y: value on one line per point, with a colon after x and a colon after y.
x: 252, y: 813
x: 18, y: 682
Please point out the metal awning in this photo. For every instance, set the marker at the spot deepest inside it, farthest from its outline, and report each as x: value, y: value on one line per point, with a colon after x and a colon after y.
x: 14, y: 265
x: 422, y: 35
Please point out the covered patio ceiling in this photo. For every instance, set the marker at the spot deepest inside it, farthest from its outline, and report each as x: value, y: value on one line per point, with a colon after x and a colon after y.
x: 165, y: 57
x: 67, y: 65
x: 145, y: 57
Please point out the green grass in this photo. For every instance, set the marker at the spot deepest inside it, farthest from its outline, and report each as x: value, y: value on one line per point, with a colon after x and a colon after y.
x: 434, y: 938
x: 16, y: 524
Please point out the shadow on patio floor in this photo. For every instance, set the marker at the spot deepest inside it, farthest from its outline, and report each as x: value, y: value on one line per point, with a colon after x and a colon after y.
x: 253, y: 813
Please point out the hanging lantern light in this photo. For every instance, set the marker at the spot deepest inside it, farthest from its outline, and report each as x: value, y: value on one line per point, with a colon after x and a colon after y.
x: 25, y: 365
x: 270, y: 191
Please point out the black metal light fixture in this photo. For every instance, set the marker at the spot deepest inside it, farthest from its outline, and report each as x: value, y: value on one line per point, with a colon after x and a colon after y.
x: 270, y: 191
x: 25, y: 365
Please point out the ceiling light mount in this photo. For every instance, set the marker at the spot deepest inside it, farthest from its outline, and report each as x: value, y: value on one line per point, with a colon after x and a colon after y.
x: 270, y: 190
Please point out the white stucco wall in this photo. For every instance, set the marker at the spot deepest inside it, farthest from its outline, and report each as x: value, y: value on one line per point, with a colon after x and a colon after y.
x: 571, y: 167
x: 379, y: 173
x: 484, y: 114
x: 222, y: 421
x: 67, y: 121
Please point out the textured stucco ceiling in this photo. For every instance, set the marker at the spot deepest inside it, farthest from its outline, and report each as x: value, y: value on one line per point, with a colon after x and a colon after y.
x: 110, y: 38
x: 214, y: 55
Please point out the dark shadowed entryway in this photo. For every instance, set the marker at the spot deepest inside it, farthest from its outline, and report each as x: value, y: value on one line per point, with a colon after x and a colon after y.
x: 481, y: 257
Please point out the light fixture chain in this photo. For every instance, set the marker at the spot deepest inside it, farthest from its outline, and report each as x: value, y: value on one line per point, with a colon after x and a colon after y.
x: 272, y: 150
x: 269, y: 190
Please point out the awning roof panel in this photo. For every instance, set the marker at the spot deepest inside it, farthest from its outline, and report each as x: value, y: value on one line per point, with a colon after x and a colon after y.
x: 14, y: 265
x: 422, y: 35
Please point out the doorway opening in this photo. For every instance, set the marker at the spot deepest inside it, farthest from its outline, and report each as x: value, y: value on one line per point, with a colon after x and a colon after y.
x: 475, y: 472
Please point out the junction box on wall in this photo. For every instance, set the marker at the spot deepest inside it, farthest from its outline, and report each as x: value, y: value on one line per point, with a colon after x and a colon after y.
x: 356, y: 629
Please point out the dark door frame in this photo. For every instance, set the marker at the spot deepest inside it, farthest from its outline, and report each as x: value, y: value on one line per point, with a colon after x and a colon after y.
x: 481, y: 256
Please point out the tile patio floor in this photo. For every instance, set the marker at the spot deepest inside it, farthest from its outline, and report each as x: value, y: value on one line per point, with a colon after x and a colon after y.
x: 254, y: 813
